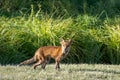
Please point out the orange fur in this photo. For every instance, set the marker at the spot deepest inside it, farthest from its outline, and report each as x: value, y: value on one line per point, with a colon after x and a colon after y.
x: 43, y: 54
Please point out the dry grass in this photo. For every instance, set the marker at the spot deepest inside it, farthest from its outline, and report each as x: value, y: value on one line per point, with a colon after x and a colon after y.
x: 67, y: 72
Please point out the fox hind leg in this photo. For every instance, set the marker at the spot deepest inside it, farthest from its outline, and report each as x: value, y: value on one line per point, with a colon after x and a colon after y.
x: 45, y: 62
x: 38, y: 63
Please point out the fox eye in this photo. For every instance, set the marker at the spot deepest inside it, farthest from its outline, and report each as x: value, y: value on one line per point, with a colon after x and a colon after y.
x: 64, y: 45
x: 67, y: 46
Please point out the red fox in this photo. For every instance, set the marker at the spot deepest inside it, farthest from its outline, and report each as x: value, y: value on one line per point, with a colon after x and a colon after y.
x: 43, y: 54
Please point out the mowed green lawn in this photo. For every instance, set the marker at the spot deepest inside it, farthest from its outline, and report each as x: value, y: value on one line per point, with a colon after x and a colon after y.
x: 67, y: 72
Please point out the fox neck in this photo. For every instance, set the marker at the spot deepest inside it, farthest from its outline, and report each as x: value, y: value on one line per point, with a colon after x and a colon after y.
x: 65, y: 50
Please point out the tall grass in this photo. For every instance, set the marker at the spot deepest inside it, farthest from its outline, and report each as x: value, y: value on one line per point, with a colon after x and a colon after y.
x: 98, y: 41
x: 21, y: 36
x: 94, y: 40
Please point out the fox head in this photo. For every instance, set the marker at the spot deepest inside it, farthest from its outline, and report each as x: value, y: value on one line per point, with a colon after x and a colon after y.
x: 65, y: 45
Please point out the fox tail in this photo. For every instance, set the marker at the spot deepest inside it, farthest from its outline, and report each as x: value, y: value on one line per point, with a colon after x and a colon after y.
x: 29, y: 61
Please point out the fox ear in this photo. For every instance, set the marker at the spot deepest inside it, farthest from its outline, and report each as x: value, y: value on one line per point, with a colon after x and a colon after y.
x: 70, y: 40
x: 61, y: 39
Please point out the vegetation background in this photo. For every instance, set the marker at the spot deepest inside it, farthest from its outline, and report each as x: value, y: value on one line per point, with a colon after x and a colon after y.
x: 94, y: 26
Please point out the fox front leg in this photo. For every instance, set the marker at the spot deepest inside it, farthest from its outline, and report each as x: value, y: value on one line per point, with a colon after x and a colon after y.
x: 57, y: 65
